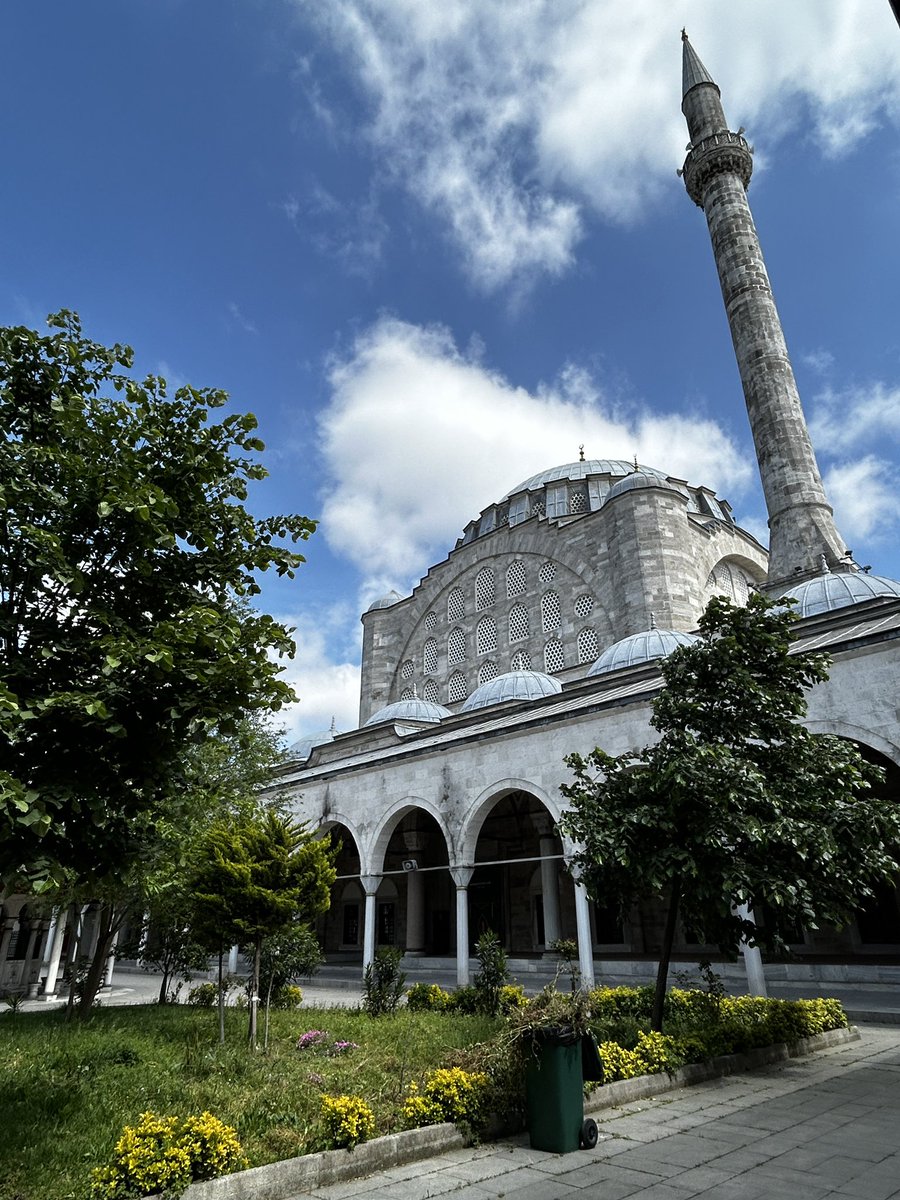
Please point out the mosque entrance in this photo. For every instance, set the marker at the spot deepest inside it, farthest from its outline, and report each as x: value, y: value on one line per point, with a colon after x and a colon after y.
x: 416, y: 864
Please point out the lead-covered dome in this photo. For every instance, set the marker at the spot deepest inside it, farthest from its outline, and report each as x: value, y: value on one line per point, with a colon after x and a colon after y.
x: 514, y: 685
x: 646, y: 477
x: 581, y: 470
x: 827, y: 592
x: 640, y: 648
x: 304, y: 747
x: 387, y: 601
x: 410, y: 710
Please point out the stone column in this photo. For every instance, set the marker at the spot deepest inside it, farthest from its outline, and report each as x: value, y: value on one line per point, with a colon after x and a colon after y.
x: 35, y: 930
x: 753, y: 964
x: 415, y: 899
x: 370, y: 885
x: 55, y: 954
x: 232, y: 959
x: 549, y: 881
x: 462, y: 877
x: 585, y: 945
x: 51, y: 939
x: 10, y: 926
x: 111, y: 961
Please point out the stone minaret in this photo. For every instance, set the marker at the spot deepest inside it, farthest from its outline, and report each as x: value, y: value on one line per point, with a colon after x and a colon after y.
x: 716, y: 174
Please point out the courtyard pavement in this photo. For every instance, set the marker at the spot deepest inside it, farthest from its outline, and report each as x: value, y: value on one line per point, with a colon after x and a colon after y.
x: 823, y: 1126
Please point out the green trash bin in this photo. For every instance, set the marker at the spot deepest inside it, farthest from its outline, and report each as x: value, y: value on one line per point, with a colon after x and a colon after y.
x: 553, y: 1092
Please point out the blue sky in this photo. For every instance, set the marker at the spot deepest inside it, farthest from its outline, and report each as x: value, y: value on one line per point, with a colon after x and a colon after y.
x: 436, y: 246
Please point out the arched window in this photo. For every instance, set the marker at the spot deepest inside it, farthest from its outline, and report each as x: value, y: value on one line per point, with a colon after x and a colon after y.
x: 588, y: 646
x: 407, y: 669
x: 584, y: 606
x: 487, y: 670
x: 430, y: 691
x: 484, y: 588
x: 456, y: 688
x: 486, y: 635
x: 456, y: 647
x: 429, y: 657
x: 551, y: 614
x: 520, y: 661
x: 430, y: 621
x: 407, y: 694
x: 554, y: 657
x: 456, y: 605
x: 515, y: 579
x: 547, y: 573
x: 519, y: 628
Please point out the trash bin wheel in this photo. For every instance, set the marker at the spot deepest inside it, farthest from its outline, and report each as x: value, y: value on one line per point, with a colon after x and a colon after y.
x: 589, y: 1134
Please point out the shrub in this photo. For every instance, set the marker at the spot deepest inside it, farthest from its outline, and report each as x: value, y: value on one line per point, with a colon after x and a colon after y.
x: 492, y: 973
x: 347, y: 1121
x: 658, y: 1052
x: 611, y: 1004
x: 448, y: 1094
x: 427, y: 997
x: 164, y: 1154
x: 383, y: 982
x: 204, y: 995
x: 286, y: 997
x: 619, y: 1063
x: 464, y: 1000
x: 512, y: 998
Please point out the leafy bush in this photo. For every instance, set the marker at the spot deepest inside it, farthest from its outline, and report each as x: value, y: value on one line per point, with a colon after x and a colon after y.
x: 659, y: 1052
x: 448, y: 1094
x: 611, y: 1004
x: 464, y: 1000
x: 512, y: 997
x: 204, y: 995
x: 347, y: 1121
x: 493, y: 973
x: 286, y: 997
x: 383, y: 982
x: 619, y: 1063
x: 422, y: 997
x: 165, y: 1154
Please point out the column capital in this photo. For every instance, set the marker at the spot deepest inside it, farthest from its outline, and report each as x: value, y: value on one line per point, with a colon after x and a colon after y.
x: 370, y: 883
x: 462, y: 876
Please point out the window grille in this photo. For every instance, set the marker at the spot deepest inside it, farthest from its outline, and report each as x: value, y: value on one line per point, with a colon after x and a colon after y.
x: 537, y: 507
x: 487, y: 671
x: 579, y: 501
x: 430, y: 621
x: 519, y: 628
x: 407, y: 669
x: 407, y: 694
x: 588, y: 646
x: 584, y: 605
x: 486, y: 635
x: 456, y: 647
x: 515, y: 579
x: 547, y: 573
x: 430, y: 691
x: 554, y: 658
x: 520, y: 661
x: 456, y: 605
x: 429, y: 657
x: 551, y: 613
x: 484, y: 588
x: 456, y: 688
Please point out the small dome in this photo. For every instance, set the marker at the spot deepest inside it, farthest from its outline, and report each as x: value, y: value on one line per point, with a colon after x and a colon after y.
x: 305, y: 746
x: 827, y: 592
x: 580, y: 470
x: 387, y: 601
x: 640, y: 648
x: 514, y: 685
x: 642, y: 479
x: 410, y: 710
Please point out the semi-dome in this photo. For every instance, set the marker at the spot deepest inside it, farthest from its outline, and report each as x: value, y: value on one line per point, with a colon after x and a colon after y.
x: 304, y: 747
x: 643, y: 478
x: 827, y: 592
x: 640, y: 648
x: 386, y: 601
x: 580, y: 470
x: 514, y: 685
x: 410, y: 710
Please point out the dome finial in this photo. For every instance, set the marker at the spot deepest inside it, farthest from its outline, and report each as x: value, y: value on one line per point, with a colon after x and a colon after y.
x: 823, y: 565
x: 333, y: 724
x: 636, y: 467
x: 653, y: 620
x: 581, y: 452
x: 684, y: 36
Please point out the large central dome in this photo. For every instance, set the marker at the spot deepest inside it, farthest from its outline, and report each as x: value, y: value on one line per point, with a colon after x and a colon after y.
x: 615, y: 467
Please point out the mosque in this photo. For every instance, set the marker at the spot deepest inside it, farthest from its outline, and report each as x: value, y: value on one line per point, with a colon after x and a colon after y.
x: 541, y: 634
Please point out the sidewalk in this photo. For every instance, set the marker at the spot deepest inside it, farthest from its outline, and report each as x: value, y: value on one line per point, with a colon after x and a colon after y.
x: 807, y: 1129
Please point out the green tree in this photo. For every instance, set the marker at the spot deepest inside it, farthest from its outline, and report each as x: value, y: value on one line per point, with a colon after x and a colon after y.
x: 254, y: 877
x: 124, y: 544
x: 737, y: 803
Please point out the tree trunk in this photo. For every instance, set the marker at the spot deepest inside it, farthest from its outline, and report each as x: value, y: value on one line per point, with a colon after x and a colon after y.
x: 662, y: 973
x: 221, y: 997
x: 163, y: 997
x: 76, y: 921
x: 254, y: 992
x: 97, y: 969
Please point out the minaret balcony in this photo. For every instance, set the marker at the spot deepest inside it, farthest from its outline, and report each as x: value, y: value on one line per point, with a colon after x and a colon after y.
x: 719, y: 153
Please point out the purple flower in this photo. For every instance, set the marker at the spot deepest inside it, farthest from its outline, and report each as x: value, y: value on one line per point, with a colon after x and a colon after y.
x: 315, y: 1078
x: 343, y: 1047
x: 311, y: 1039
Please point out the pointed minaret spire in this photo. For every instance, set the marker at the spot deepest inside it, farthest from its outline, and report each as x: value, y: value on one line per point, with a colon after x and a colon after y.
x: 716, y: 174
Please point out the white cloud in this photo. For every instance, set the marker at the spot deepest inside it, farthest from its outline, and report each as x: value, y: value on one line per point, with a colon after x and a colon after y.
x: 328, y: 689
x: 856, y: 416
x: 509, y: 120
x: 238, y: 318
x: 418, y: 437
x: 864, y: 496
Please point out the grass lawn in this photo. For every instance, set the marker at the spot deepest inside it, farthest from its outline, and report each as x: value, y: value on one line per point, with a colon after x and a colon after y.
x: 67, y: 1090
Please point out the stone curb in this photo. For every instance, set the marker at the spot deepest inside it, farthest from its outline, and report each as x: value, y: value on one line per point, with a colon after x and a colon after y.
x: 280, y: 1180
x: 642, y: 1087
